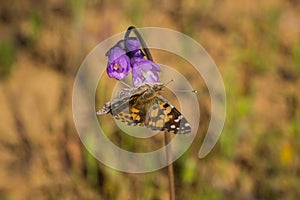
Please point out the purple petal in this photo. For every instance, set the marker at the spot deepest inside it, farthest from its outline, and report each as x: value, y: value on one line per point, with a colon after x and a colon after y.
x: 144, y: 64
x: 132, y: 44
x: 118, y: 63
x: 114, y: 53
x: 144, y: 71
x: 137, y: 81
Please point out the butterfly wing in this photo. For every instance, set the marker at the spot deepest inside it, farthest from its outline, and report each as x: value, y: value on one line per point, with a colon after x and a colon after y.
x: 124, y: 111
x: 164, y: 116
x: 127, y: 107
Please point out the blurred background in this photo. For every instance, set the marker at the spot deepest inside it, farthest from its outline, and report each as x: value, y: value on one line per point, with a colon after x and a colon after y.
x: 256, y: 46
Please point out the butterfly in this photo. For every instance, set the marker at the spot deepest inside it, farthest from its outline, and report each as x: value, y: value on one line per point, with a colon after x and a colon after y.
x: 144, y: 106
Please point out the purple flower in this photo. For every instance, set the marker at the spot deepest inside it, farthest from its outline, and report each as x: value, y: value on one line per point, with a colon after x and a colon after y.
x: 118, y: 63
x: 132, y: 44
x: 134, y: 48
x: 144, y: 71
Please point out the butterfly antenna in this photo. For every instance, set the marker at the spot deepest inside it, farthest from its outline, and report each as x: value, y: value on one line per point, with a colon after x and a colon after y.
x: 167, y: 83
x: 193, y: 91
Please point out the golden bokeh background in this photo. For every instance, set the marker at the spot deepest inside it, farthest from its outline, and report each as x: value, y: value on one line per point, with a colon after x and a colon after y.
x: 255, y: 44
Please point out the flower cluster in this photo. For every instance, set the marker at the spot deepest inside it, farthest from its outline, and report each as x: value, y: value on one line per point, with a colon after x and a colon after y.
x: 127, y: 54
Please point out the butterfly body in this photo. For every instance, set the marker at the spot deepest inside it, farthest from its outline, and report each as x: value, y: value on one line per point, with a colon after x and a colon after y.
x: 144, y: 106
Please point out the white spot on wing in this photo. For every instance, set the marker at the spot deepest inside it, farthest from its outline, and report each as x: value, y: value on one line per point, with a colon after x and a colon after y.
x: 179, y: 118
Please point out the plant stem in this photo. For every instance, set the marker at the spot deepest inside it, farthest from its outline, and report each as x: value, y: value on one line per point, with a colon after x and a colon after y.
x: 140, y: 38
x: 170, y: 166
x: 167, y: 134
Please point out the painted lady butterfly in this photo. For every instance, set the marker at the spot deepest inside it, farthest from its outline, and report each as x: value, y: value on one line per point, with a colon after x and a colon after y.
x: 143, y: 106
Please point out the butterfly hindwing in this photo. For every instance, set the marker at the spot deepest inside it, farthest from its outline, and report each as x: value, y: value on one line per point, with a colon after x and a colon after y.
x: 122, y: 111
x: 164, y: 116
